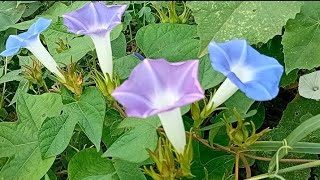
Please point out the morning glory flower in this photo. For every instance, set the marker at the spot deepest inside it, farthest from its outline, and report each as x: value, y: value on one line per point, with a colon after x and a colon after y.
x: 157, y: 87
x: 31, y: 40
x: 255, y: 74
x: 97, y: 21
x: 309, y: 85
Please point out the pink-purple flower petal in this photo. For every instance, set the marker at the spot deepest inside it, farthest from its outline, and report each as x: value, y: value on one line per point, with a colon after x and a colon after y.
x: 94, y: 18
x: 156, y: 86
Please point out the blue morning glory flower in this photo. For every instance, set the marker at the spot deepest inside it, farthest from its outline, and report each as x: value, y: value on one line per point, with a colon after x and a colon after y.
x: 31, y: 40
x: 255, y: 74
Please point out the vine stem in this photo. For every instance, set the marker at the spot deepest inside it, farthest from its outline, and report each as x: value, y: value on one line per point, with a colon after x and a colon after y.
x: 246, y: 165
x: 237, y: 166
x: 281, y: 160
x: 120, y: 110
x: 215, y: 146
x: 4, y: 84
x: 45, y: 87
x: 289, y: 169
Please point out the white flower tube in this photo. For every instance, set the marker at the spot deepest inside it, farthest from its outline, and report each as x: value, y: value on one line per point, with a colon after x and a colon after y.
x: 224, y: 92
x: 172, y: 124
x: 104, y: 53
x: 40, y: 52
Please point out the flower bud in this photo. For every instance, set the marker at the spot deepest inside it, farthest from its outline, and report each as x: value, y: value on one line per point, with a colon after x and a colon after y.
x: 239, y: 136
x: 33, y: 73
x: 106, y: 86
x: 166, y: 159
x: 73, y: 79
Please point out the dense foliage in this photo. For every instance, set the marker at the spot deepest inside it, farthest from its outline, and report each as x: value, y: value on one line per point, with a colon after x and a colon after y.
x: 70, y: 116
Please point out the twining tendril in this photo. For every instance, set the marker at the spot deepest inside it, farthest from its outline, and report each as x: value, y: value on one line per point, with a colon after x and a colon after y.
x: 285, y: 147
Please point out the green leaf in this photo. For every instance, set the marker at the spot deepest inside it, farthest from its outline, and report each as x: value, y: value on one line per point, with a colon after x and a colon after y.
x: 294, y: 115
x: 50, y: 175
x: 251, y: 20
x: 78, y: 46
x: 89, y: 111
x: 153, y: 121
x: 123, y: 66
x: 23, y: 86
x: 174, y: 42
x: 88, y: 165
x: 25, y: 61
x: 299, y: 147
x: 19, y: 140
x: 239, y: 101
x: 11, y: 76
x: 216, y: 164
x: 208, y: 77
x: 301, y: 37
x: 116, y: 31
x: 4, y: 36
x: 110, y: 131
x: 54, y: 13
x: 259, y: 117
x: 119, y: 46
x: 55, y: 134
x: 127, y: 170
x: 10, y: 13
x: 31, y: 8
x: 132, y: 145
x: 131, y: 122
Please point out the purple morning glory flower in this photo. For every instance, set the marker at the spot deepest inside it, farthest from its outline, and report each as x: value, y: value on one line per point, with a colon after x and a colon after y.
x: 159, y: 87
x: 97, y: 20
x: 31, y: 41
x: 255, y: 74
